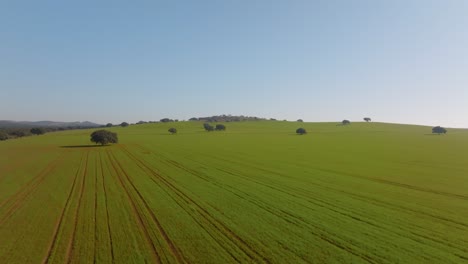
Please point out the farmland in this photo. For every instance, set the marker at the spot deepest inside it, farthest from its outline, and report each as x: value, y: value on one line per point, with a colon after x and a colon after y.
x: 255, y: 193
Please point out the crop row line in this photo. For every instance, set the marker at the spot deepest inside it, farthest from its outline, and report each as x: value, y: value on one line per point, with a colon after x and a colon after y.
x: 106, y: 207
x: 209, y: 218
x: 301, y: 194
x: 58, y: 225
x: 171, y: 194
x: 137, y: 214
x: 71, y: 243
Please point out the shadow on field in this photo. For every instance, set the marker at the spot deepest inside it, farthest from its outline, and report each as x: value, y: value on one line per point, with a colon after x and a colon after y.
x: 85, y: 146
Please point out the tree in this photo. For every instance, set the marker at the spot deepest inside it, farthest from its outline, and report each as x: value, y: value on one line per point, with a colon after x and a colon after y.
x: 345, y: 122
x: 19, y: 133
x: 104, y: 137
x: 301, y: 131
x: 37, y: 131
x: 3, y: 136
x: 300, y: 120
x: 172, y: 130
x: 193, y: 119
x: 220, y: 127
x: 208, y: 127
x: 109, y: 125
x: 124, y: 124
x: 367, y: 119
x: 165, y: 120
x: 439, y: 130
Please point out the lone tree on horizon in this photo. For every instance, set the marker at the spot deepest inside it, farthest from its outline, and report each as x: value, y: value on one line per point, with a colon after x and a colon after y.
x: 300, y: 120
x: 172, y: 130
x: 124, y: 124
x: 439, y: 130
x: 104, y: 137
x: 345, y: 122
x: 208, y: 127
x: 301, y: 131
x: 367, y: 119
x: 109, y: 125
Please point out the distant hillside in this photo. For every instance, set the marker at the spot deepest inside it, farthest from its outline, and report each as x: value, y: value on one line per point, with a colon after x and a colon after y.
x: 26, y: 124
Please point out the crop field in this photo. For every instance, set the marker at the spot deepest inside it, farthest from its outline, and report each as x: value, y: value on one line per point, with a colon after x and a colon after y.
x: 255, y: 193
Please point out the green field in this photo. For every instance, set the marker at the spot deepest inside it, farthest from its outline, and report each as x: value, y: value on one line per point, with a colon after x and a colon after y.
x: 256, y: 193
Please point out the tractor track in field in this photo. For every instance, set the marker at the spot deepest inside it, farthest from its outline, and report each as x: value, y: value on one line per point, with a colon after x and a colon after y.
x: 17, y: 199
x: 71, y: 243
x: 59, y: 223
x: 227, y: 188
x: 363, y: 198
x: 332, y: 207
x: 107, y: 209
x: 95, y: 208
x: 209, y: 218
x: 265, y: 207
x: 279, y: 215
x: 398, y: 184
x: 390, y: 206
x: 287, y: 217
x: 348, y: 213
x: 383, y: 181
x: 221, y: 243
x: 174, y: 250
x: 417, y: 212
x: 400, y: 208
x: 380, y: 204
x: 219, y: 185
x: 136, y: 213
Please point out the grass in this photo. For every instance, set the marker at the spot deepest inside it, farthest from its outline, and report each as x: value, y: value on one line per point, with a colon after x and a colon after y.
x: 257, y: 192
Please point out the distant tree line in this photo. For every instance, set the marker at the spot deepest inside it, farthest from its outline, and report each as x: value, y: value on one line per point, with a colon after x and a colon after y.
x: 19, y: 132
x: 211, y: 119
x: 37, y: 131
x: 226, y: 118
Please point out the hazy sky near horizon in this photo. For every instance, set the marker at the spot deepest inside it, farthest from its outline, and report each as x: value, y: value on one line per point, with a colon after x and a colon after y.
x: 402, y: 61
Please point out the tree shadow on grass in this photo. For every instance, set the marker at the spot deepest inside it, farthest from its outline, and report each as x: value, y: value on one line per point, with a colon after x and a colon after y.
x: 85, y: 146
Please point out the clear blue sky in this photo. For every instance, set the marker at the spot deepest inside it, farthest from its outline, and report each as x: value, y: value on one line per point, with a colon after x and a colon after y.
x: 111, y: 61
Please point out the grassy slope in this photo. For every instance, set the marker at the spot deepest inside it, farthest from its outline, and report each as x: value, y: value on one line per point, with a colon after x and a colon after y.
x: 367, y: 192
